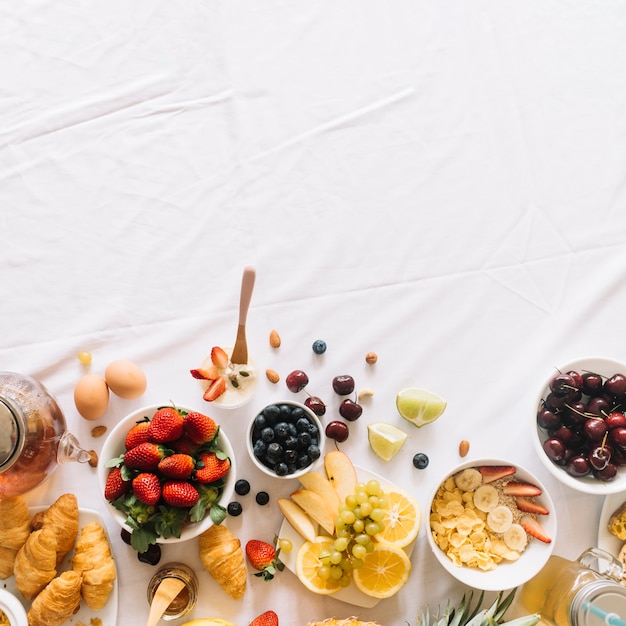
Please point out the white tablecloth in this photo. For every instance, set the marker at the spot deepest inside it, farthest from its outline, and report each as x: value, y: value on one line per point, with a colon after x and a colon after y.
x: 442, y: 183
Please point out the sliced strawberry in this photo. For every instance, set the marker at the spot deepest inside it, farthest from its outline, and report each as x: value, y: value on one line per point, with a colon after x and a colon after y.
x: 180, y: 494
x: 534, y: 528
x: 219, y: 358
x: 515, y: 488
x: 530, y: 506
x: 494, y: 472
x: 147, y: 488
x: 215, y: 390
x: 115, y: 485
x: 205, y: 373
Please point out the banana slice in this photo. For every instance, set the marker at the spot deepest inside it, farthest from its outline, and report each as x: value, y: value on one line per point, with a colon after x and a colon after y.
x: 468, y: 479
x: 500, y: 519
x: 486, y: 498
x: 515, y: 537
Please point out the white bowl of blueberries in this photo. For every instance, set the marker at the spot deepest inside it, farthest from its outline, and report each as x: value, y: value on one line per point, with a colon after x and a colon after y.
x: 285, y: 439
x: 580, y: 425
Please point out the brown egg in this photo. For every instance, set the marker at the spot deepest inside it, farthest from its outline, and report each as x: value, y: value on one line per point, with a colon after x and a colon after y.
x: 91, y: 396
x: 125, y: 379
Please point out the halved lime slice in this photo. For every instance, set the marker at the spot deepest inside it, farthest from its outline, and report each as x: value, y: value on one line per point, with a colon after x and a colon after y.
x: 385, y: 439
x: 419, y: 406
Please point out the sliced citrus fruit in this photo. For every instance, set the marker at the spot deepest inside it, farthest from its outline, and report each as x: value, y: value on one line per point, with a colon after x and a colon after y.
x: 419, y: 406
x: 385, y: 571
x: 385, y: 439
x: 402, y: 520
x: 308, y: 561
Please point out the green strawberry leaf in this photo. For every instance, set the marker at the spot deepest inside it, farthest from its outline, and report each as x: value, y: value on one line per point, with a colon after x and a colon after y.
x: 218, y: 514
x: 170, y: 521
x: 208, y: 495
x: 115, y: 461
x: 142, y: 538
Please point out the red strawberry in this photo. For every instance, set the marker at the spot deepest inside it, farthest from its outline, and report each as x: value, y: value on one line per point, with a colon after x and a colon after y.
x: 205, y: 373
x: 269, y: 618
x: 263, y: 557
x: 200, y: 428
x: 219, y: 358
x: 166, y: 425
x: 146, y: 456
x: 530, y: 506
x: 115, y: 485
x: 180, y: 493
x: 184, y: 445
x: 534, y: 528
x: 493, y: 472
x: 137, y: 434
x: 211, y: 467
x: 215, y: 389
x: 147, y: 488
x: 177, y: 466
x: 515, y: 488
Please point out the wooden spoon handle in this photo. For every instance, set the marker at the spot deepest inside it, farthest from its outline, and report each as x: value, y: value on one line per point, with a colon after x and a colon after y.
x: 247, y: 285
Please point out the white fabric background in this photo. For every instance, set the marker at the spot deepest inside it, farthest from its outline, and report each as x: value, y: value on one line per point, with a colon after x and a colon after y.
x: 440, y: 182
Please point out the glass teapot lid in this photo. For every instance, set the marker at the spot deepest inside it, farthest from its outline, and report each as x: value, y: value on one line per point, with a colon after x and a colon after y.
x: 11, y: 435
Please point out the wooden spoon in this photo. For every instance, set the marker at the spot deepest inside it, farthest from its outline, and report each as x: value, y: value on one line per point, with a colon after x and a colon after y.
x: 167, y: 590
x: 240, y: 351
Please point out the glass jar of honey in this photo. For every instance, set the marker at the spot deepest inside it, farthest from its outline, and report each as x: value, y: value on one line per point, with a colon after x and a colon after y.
x: 585, y: 592
x: 187, y: 596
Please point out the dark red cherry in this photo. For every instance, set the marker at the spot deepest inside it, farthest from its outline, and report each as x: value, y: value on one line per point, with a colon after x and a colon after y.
x: 574, y: 413
x: 554, y: 449
x: 594, y: 429
x: 343, y: 385
x: 578, y: 466
x: 599, y: 457
x: 598, y: 405
x: 337, y: 430
x: 350, y: 410
x: 296, y: 381
x: 616, y: 385
x: 615, y: 419
x: 608, y: 473
x: 316, y: 405
x: 548, y: 419
x: 577, y: 378
x: 561, y: 384
x: 592, y: 384
x: 617, y: 437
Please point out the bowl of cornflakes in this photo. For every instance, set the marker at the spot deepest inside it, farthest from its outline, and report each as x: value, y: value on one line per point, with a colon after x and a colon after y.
x: 492, y: 524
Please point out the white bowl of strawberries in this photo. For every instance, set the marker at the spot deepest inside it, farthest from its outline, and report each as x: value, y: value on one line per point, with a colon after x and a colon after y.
x: 492, y: 524
x: 164, y: 472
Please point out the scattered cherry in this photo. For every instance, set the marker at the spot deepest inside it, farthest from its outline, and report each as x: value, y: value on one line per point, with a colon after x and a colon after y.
x: 296, y: 381
x: 316, y: 405
x: 337, y: 430
x: 350, y: 410
x: 343, y: 385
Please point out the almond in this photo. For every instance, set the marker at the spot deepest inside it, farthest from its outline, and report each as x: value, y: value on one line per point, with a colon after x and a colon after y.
x: 272, y: 376
x: 464, y: 447
x: 93, y: 458
x: 98, y: 431
x: 274, y: 339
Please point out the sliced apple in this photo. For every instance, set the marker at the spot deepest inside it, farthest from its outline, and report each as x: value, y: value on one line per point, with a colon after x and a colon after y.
x: 321, y: 485
x: 300, y: 521
x: 341, y: 473
x: 316, y: 508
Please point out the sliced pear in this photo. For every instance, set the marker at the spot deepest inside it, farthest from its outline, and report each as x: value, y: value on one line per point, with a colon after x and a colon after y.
x: 321, y: 485
x: 300, y: 521
x: 316, y: 508
x: 341, y: 473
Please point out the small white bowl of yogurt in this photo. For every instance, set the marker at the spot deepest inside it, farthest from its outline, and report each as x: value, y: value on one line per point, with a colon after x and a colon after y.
x: 236, y: 383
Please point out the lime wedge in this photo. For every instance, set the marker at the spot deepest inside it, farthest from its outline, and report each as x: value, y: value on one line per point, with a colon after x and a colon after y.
x: 385, y: 439
x: 419, y: 406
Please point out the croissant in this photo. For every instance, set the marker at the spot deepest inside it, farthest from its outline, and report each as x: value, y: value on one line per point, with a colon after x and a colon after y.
x: 35, y: 563
x: 221, y: 555
x: 93, y: 559
x: 62, y: 517
x: 59, y: 600
x: 14, y: 531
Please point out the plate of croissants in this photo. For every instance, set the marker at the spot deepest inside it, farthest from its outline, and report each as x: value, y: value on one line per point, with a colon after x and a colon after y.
x: 57, y: 560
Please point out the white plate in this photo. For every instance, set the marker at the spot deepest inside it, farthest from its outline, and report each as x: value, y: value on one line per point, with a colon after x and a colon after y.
x: 608, y: 542
x: 108, y: 613
x: 351, y: 594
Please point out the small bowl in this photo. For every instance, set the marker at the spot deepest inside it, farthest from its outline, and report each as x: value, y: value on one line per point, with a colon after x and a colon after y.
x: 234, y: 397
x: 303, y: 411
x: 586, y: 484
x: 13, y: 608
x: 114, y: 447
x: 507, y: 574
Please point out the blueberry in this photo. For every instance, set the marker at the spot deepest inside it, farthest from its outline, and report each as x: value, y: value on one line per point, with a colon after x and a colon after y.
x: 319, y: 346
x: 234, y: 509
x: 302, y: 425
x: 271, y: 413
x: 262, y: 498
x: 314, y: 452
x: 297, y: 413
x: 274, y: 450
x: 304, y: 440
x: 260, y: 448
x: 420, y: 460
x: 267, y: 434
x: 281, y: 430
x: 303, y: 461
x: 285, y: 411
x: 242, y: 487
x: 291, y: 456
x: 281, y: 469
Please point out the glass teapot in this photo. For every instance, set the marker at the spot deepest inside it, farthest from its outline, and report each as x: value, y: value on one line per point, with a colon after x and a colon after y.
x: 33, y: 435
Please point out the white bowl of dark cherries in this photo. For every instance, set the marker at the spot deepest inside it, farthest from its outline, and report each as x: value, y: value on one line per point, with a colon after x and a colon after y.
x: 580, y: 425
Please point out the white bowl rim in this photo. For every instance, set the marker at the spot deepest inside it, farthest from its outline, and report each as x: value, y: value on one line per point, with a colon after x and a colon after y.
x: 311, y: 467
x: 506, y: 575
x: 191, y: 530
x: 11, y: 605
x: 585, y: 484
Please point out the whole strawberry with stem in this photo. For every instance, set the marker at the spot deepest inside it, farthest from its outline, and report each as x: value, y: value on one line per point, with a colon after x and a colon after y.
x: 137, y: 434
x: 211, y: 467
x: 116, y: 485
x: 263, y: 556
x: 147, y: 488
x: 166, y: 425
x: 269, y: 618
x: 177, y: 466
x: 200, y: 428
x: 144, y: 457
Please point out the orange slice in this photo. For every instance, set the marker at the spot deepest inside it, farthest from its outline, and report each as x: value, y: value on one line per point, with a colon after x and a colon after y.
x: 385, y: 571
x: 402, y: 520
x: 308, y: 563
